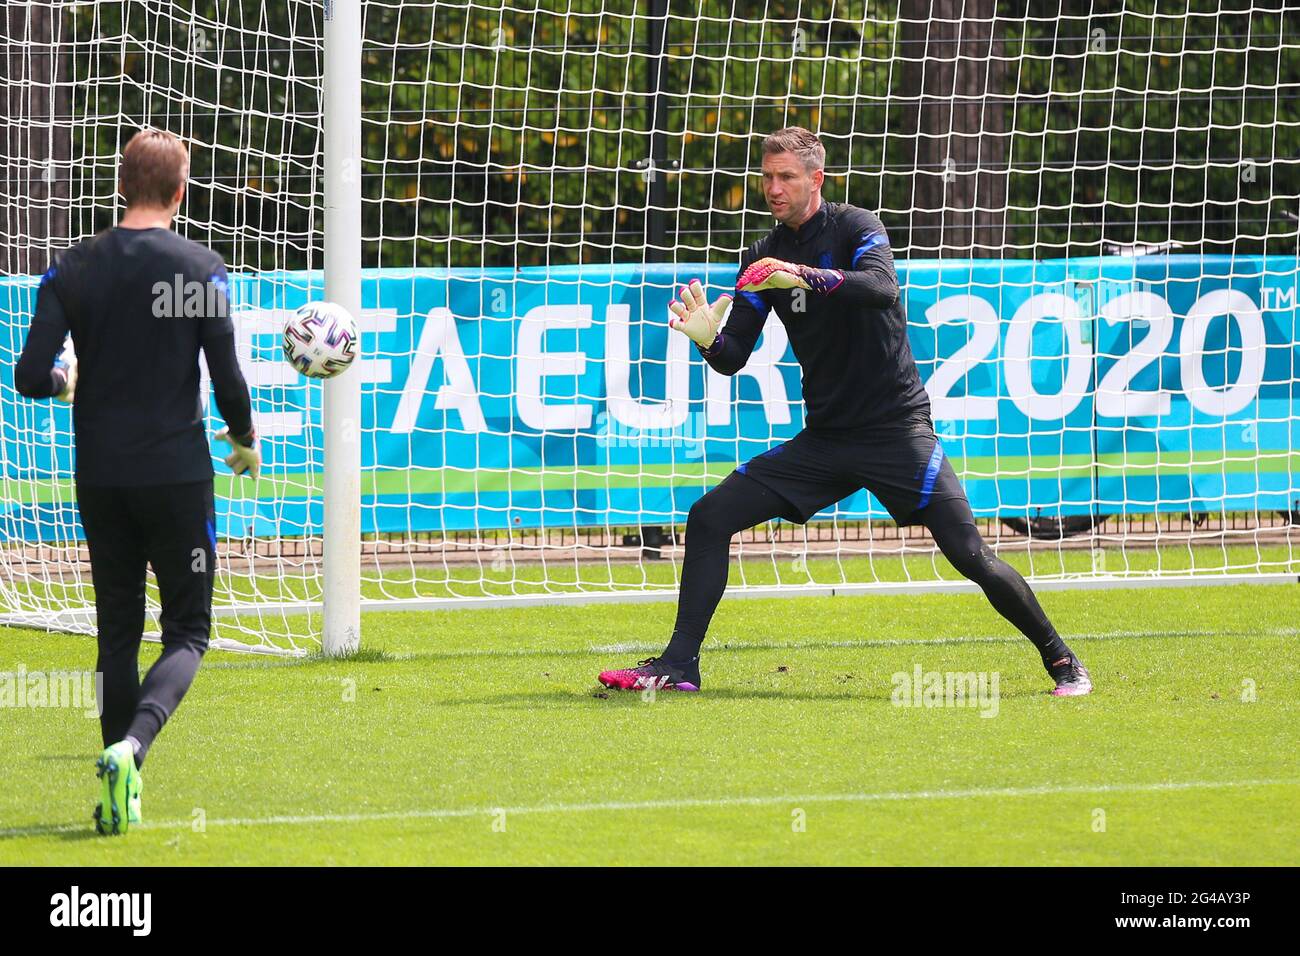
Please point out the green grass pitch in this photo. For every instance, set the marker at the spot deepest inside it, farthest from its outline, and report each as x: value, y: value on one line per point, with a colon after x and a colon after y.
x: 481, y: 737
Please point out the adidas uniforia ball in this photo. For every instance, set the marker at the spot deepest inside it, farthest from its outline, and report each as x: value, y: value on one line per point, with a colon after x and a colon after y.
x: 320, y: 340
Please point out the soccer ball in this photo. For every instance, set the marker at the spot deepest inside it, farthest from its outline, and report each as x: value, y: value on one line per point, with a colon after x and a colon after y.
x: 320, y: 341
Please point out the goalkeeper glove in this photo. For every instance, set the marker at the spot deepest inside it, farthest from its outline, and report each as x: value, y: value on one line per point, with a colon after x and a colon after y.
x: 772, y: 273
x: 694, y: 317
x: 244, y: 455
x: 66, y: 365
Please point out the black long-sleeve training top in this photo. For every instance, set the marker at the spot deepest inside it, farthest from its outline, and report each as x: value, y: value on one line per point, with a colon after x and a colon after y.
x: 140, y: 304
x: 858, y: 369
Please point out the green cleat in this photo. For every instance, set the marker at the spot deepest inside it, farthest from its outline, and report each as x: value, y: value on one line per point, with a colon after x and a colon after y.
x: 121, y: 786
x: 133, y: 798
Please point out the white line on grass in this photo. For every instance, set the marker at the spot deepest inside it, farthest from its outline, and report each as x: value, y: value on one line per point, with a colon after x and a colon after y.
x: 678, y: 804
x: 721, y: 645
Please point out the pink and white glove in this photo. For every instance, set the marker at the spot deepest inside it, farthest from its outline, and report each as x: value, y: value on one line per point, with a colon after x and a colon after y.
x: 769, y: 273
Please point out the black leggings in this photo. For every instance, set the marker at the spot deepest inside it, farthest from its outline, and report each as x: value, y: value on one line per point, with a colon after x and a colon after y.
x: 740, y: 502
x: 169, y: 527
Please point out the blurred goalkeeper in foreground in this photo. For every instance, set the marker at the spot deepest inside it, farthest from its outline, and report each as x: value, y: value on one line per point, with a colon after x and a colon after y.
x: 827, y: 272
x: 140, y: 302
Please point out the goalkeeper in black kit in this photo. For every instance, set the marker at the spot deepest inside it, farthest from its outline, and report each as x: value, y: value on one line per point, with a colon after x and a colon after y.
x: 827, y: 272
x: 140, y: 303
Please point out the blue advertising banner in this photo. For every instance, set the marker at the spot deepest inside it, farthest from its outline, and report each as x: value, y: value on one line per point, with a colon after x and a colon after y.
x: 528, y: 398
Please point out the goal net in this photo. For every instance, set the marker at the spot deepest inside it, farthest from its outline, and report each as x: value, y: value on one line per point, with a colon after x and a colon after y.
x: 1094, y: 216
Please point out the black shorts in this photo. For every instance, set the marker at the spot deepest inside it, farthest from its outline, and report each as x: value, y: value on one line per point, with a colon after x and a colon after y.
x: 172, y: 529
x: 905, y: 468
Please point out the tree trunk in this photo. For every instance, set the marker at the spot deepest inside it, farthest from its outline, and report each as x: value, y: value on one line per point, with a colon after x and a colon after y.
x: 35, y: 138
x: 956, y: 119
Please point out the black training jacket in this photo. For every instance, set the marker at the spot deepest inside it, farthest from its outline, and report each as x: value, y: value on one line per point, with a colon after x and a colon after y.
x: 858, y: 370
x: 140, y: 304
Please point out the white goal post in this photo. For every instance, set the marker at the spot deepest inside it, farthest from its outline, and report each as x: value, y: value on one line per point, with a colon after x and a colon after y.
x: 1094, y: 215
x: 341, y: 565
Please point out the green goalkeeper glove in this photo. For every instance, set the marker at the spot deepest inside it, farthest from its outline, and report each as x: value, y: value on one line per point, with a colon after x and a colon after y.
x: 694, y: 317
x: 243, y: 458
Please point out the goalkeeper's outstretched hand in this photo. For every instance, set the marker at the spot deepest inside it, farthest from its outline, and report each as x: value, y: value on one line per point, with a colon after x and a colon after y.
x: 243, y: 459
x: 694, y: 317
x: 771, y: 273
x: 66, y: 363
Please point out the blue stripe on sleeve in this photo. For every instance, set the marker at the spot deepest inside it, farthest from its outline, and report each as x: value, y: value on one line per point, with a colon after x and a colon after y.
x: 870, y: 242
x: 931, y: 473
x: 756, y: 300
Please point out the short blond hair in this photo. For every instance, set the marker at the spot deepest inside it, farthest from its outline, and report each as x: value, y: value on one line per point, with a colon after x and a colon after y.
x: 803, y: 143
x: 154, y: 165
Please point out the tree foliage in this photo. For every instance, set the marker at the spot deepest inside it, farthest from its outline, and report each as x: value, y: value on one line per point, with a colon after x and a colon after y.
x: 518, y: 132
